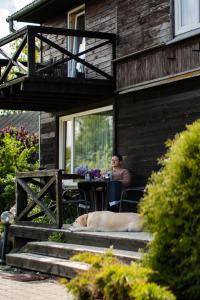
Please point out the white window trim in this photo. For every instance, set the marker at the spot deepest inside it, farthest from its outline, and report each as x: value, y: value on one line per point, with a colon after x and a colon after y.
x: 62, y: 132
x: 182, y: 29
x: 80, y: 11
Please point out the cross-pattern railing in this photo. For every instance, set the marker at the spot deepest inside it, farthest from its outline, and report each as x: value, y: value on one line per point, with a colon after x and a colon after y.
x: 32, y: 36
x: 39, y: 195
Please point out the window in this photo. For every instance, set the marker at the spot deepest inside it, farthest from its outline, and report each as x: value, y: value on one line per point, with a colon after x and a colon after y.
x: 76, y: 20
x: 187, y: 15
x: 86, y: 139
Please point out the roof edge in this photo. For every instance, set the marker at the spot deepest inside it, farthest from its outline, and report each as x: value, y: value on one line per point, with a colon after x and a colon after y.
x: 25, y: 10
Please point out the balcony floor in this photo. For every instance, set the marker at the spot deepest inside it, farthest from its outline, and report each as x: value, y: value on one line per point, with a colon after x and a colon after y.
x: 53, y: 94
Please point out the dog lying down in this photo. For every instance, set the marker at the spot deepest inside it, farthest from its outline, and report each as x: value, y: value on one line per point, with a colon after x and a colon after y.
x: 107, y: 221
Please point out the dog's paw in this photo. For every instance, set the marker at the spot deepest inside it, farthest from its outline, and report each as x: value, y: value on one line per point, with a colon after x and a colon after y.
x: 70, y: 228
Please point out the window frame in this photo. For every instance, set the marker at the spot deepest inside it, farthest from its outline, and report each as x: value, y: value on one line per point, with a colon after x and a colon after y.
x: 179, y: 29
x: 74, y: 13
x: 62, y: 133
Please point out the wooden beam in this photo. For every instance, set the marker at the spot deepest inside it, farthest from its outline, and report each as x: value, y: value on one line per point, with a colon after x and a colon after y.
x: 13, y: 36
x: 13, y: 59
x: 73, y: 56
x: 16, y: 63
x: 61, y: 61
x: 73, y: 32
x: 31, y: 52
x: 35, y: 199
x: 40, y: 195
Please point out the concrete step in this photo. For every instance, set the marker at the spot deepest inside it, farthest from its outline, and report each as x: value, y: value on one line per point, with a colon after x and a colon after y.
x: 65, y: 251
x: 46, y: 264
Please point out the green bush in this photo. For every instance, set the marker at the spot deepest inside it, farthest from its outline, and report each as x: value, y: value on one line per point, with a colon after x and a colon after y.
x: 171, y: 211
x: 18, y: 152
x: 109, y: 279
x: 56, y: 237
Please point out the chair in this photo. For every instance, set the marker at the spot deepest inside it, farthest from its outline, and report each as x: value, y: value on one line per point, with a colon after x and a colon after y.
x: 130, y: 198
x: 75, y: 198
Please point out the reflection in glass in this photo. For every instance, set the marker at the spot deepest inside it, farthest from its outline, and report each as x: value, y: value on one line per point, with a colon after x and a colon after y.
x: 93, y: 140
x: 189, y: 12
x: 68, y: 145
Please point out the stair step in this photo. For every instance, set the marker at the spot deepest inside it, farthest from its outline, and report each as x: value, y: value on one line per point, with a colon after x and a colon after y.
x: 131, y: 241
x: 46, y: 264
x: 64, y: 250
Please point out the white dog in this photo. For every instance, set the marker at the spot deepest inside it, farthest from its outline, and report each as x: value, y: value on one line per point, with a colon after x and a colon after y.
x: 107, y: 221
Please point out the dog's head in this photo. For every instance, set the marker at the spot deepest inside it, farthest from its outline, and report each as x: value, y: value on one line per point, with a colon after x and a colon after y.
x: 81, y: 221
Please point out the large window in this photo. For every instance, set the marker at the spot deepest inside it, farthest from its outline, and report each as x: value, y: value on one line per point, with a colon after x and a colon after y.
x: 86, y: 139
x: 187, y: 15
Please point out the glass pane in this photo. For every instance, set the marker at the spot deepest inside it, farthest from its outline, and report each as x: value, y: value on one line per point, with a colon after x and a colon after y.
x: 93, y: 140
x: 76, y: 44
x: 189, y: 12
x: 80, y: 42
x: 68, y: 146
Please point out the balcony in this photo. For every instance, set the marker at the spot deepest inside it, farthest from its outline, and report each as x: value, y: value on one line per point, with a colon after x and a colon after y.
x: 36, y: 75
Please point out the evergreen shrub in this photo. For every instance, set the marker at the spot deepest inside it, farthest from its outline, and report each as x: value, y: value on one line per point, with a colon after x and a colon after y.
x: 109, y: 279
x: 171, y: 211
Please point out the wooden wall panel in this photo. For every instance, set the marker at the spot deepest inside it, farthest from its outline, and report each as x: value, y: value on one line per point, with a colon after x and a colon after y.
x: 48, y: 147
x: 145, y: 123
x: 142, y: 24
x: 50, y: 53
x: 160, y: 62
x: 100, y: 16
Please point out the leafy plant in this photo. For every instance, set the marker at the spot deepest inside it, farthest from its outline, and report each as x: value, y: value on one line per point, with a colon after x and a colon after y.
x: 171, y: 211
x: 18, y: 152
x: 111, y: 280
x: 56, y: 237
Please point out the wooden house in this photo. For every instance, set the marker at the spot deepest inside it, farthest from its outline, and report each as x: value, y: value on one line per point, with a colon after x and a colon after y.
x: 110, y: 76
x: 134, y: 65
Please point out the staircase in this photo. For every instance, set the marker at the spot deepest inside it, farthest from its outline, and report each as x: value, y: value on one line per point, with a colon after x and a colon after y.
x: 53, y: 258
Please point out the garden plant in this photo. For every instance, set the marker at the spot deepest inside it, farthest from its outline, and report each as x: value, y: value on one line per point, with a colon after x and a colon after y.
x: 171, y: 212
x: 109, y: 279
x: 18, y: 152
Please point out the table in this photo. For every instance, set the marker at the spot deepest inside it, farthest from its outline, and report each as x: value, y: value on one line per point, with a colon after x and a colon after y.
x: 92, y: 190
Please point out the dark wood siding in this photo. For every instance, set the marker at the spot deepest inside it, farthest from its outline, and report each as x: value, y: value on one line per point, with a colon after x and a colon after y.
x: 100, y: 16
x: 50, y: 53
x: 143, y: 53
x: 145, y: 121
x: 142, y: 24
x: 48, y: 145
x: 158, y: 63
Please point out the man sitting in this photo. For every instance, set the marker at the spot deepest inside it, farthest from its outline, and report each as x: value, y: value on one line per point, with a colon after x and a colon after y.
x: 121, y: 178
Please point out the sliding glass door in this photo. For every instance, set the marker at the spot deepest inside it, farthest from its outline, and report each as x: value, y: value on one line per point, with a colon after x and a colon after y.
x: 86, y: 139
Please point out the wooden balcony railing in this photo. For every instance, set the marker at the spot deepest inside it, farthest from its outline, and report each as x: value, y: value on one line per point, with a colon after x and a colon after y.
x: 45, y: 54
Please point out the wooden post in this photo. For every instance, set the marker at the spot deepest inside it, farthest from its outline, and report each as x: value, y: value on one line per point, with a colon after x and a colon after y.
x: 31, y: 51
x: 59, y: 210
x: 21, y: 198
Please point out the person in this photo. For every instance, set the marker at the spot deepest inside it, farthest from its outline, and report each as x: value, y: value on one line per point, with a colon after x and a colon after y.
x: 121, y: 178
x: 118, y: 173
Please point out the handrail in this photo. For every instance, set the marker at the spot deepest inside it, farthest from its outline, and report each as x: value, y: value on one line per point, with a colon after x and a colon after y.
x: 30, y: 33
x: 31, y: 190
